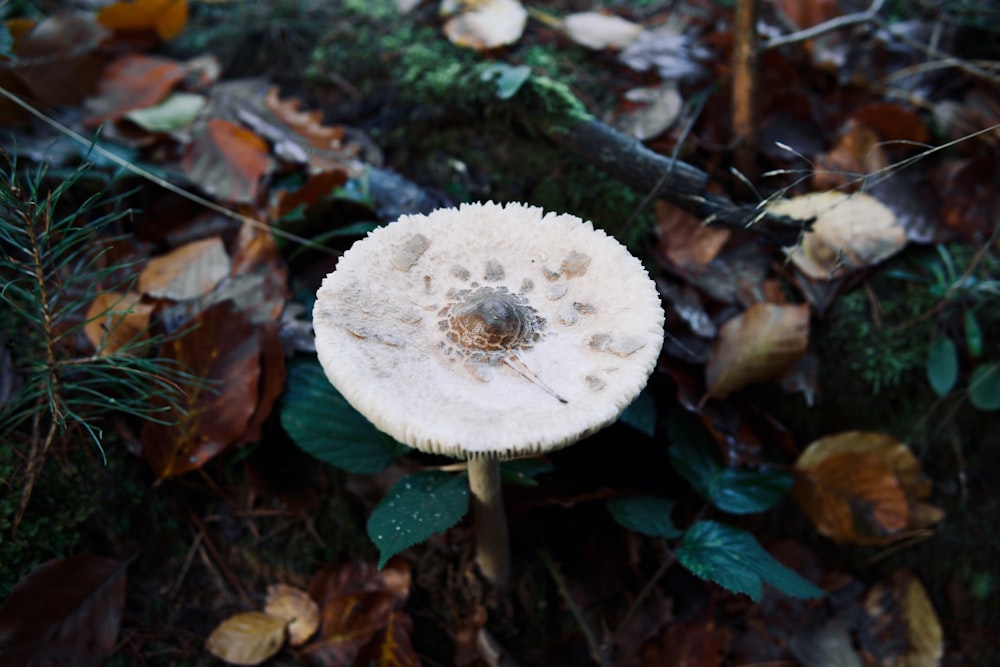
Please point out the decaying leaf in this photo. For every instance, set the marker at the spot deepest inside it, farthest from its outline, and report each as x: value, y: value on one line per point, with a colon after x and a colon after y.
x: 863, y: 487
x: 191, y: 271
x: 65, y: 612
x: 223, y: 348
x: 483, y: 24
x: 296, y: 608
x: 249, y: 638
x: 857, y: 153
x: 901, y: 627
x: 166, y: 18
x: 850, y: 232
x: 133, y: 81
x: 227, y: 161
x: 596, y: 30
x: 115, y: 319
x: 684, y: 239
x: 758, y: 345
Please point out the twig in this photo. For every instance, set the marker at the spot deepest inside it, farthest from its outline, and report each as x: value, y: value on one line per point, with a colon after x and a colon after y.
x: 746, y: 48
x: 869, y: 15
x: 668, y: 561
x: 597, y: 652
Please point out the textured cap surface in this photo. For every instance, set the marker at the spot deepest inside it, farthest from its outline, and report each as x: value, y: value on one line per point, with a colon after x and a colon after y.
x: 488, y: 331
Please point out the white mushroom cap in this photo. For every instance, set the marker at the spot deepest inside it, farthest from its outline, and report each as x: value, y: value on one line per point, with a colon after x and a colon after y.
x: 488, y: 331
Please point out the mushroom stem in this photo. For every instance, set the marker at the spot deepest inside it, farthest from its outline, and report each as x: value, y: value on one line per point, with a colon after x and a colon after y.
x: 492, y: 543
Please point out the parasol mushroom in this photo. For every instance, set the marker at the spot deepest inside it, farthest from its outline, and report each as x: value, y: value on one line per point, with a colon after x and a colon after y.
x: 488, y: 332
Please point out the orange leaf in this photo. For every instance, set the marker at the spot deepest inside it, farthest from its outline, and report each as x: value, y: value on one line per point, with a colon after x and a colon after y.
x: 191, y: 271
x: 249, y: 638
x: 857, y: 152
x: 116, y: 319
x: 296, y: 608
x: 686, y: 240
x: 164, y: 17
x: 222, y: 348
x: 862, y: 487
x: 761, y: 344
x: 134, y: 81
x: 227, y: 161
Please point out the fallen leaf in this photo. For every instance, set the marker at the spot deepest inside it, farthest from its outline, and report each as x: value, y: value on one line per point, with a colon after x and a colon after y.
x: 684, y: 239
x: 65, y: 612
x: 223, y: 348
x: 174, y: 113
x: 758, y: 345
x: 115, y: 319
x: 900, y: 626
x: 596, y: 30
x: 687, y: 645
x: 850, y: 232
x: 249, y: 638
x: 227, y: 161
x: 391, y: 646
x: 857, y: 153
x: 483, y: 24
x: 296, y: 608
x: 653, y: 110
x: 307, y: 140
x: 861, y: 487
x: 133, y: 81
x: 191, y: 271
x: 166, y: 18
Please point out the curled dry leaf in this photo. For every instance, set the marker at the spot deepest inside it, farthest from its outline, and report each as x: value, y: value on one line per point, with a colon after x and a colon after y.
x: 296, y: 608
x: 166, y: 18
x: 862, y: 487
x: 761, y: 344
x: 850, y: 232
x: 189, y: 272
x: 115, y: 319
x: 484, y: 24
x: 227, y: 161
x: 249, y: 638
x: 901, y: 627
x: 595, y: 30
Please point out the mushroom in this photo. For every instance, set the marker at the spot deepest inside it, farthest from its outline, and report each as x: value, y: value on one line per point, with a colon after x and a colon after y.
x: 488, y: 332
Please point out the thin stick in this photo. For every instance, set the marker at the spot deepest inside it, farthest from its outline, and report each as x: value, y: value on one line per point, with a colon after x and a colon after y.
x: 600, y: 657
x: 745, y: 49
x: 492, y: 542
x: 866, y: 16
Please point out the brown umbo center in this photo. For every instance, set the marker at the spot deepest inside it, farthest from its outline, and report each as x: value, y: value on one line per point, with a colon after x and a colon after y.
x: 491, y: 320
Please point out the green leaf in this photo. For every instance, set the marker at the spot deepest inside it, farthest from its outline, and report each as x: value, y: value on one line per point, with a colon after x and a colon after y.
x: 646, y: 515
x: 521, y: 472
x: 325, y: 425
x: 174, y: 113
x: 942, y: 365
x: 641, y: 414
x: 734, y: 490
x: 733, y: 558
x: 416, y: 507
x: 984, y: 387
x: 508, y: 78
x: 973, y: 335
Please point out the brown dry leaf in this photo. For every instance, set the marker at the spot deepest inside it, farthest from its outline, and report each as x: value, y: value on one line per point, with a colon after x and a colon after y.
x: 223, y: 348
x: 308, y: 128
x: 115, y: 319
x: 893, y: 122
x: 758, y: 345
x: 857, y: 153
x: 391, y: 646
x: 901, y: 627
x: 861, y: 487
x: 249, y: 638
x: 57, y: 63
x: 296, y: 608
x: 687, y: 645
x: 598, y: 31
x: 850, y: 232
x: 133, y: 81
x: 65, y: 612
x: 191, y: 271
x: 227, y: 161
x: 684, y: 239
x: 166, y: 18
x: 483, y: 24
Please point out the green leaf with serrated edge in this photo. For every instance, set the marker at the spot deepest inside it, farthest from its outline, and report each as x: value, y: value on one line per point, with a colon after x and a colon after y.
x: 984, y: 387
x: 733, y: 558
x: 641, y: 414
x: 942, y: 365
x: 646, y: 515
x: 973, y: 335
x: 733, y: 490
x: 416, y: 507
x: 521, y: 472
x: 323, y: 424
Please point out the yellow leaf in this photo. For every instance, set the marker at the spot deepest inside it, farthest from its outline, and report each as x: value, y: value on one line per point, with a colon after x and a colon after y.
x: 191, y: 271
x: 295, y: 607
x: 116, y: 319
x: 247, y: 639
x: 166, y: 18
